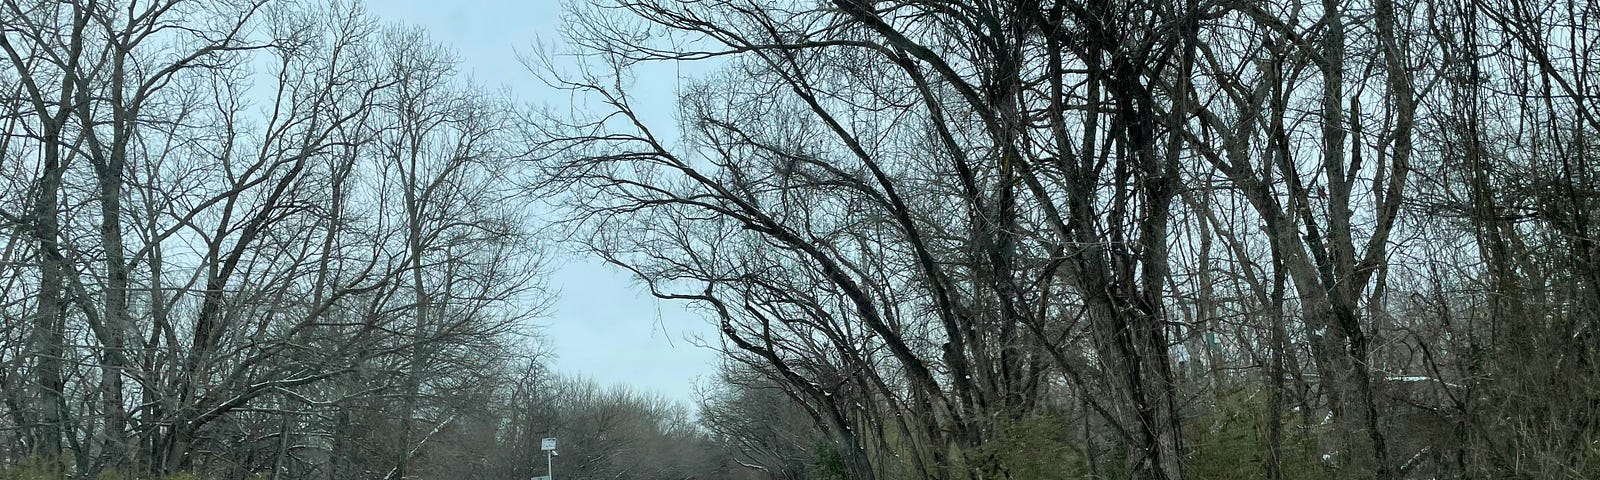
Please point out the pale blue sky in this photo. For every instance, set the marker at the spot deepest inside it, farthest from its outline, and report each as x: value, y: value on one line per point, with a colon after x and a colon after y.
x: 604, y: 325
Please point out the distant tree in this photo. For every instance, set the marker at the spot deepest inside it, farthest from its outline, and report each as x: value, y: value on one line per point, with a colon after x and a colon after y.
x: 618, y: 433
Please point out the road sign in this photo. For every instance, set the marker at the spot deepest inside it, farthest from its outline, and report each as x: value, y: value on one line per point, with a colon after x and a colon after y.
x: 542, y: 477
x: 548, y: 444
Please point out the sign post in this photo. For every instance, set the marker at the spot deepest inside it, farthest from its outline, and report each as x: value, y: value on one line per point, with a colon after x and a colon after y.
x: 549, y: 447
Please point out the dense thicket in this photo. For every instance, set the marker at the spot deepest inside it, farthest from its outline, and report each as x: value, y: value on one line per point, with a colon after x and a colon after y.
x: 1116, y: 239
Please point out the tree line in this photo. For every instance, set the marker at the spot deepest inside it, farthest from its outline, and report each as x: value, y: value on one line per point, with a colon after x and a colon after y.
x: 946, y: 240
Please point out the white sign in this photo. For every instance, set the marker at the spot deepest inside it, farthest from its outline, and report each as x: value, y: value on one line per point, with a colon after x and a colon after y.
x: 542, y: 477
x: 548, y: 444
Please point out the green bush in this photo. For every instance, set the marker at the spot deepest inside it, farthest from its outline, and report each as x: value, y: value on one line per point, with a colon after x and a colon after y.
x: 36, y: 468
x: 1228, y: 440
x: 1034, y: 447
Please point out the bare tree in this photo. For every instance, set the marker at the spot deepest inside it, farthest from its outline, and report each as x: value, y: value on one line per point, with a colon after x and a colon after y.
x: 210, y: 238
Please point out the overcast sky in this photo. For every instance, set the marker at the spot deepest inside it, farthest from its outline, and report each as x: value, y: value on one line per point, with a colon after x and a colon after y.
x: 604, y: 324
